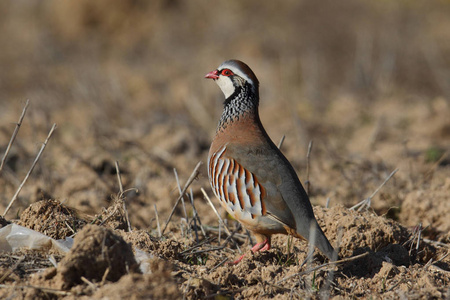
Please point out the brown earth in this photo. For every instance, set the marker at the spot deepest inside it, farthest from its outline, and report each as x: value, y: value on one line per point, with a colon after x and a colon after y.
x: 366, y: 82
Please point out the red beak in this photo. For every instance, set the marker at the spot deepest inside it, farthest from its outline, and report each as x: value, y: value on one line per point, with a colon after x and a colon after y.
x: 213, y: 75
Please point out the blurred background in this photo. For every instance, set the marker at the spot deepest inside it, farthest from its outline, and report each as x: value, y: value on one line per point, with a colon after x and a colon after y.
x: 367, y: 81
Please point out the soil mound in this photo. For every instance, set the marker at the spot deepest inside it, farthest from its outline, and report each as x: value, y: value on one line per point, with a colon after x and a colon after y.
x: 52, y: 218
x: 98, y: 254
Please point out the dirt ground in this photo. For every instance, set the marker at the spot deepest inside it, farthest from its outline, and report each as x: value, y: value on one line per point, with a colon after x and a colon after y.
x: 367, y: 83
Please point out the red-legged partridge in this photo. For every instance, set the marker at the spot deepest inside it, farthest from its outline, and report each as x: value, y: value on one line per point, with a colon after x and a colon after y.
x: 253, y: 180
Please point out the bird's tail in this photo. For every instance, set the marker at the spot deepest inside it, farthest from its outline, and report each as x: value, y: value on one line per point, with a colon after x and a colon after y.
x: 322, y: 242
x: 315, y: 235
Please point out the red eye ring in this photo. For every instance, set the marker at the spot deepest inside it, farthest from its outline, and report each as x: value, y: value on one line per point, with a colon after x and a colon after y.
x: 226, y: 72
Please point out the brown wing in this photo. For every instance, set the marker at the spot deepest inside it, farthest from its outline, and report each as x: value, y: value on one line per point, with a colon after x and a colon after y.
x: 247, y: 195
x: 236, y: 187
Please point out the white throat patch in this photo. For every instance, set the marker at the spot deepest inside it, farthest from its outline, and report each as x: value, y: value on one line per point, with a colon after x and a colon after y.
x: 226, y: 85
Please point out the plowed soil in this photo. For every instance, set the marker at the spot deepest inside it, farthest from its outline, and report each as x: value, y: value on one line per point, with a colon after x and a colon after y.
x: 363, y: 84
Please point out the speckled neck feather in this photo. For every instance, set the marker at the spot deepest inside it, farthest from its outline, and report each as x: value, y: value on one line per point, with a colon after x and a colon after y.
x: 242, y: 103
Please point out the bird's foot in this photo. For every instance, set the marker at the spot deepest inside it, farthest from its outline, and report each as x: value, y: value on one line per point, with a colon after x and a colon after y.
x: 263, y: 246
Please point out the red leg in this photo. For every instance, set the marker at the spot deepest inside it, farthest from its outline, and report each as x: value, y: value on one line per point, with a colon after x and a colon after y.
x: 266, y: 247
x: 261, y: 246
x: 237, y: 260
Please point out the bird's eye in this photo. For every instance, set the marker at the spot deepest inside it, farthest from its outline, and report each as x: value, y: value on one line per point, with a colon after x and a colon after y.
x: 226, y: 72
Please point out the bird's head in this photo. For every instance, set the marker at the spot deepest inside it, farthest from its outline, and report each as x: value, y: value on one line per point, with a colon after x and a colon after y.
x: 232, y: 76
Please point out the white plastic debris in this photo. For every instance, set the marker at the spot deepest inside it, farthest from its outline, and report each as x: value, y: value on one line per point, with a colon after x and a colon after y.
x: 13, y: 237
x: 143, y: 259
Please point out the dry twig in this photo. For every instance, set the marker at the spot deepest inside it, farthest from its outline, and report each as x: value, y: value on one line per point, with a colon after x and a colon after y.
x: 188, y: 183
x: 157, y: 221
x: 196, y: 217
x: 216, y: 212
x: 13, y: 137
x: 280, y: 143
x: 238, y: 236
x: 436, y: 164
x: 198, y: 245
x: 366, y: 202
x: 7, y: 273
x: 308, y: 156
x: 221, y: 222
x: 436, y: 243
x: 92, y: 285
x: 182, y: 196
x: 218, y: 265
x: 311, y: 247
x: 102, y: 283
x: 31, y: 170
x: 44, y: 289
x: 327, y: 288
x: 331, y: 263
x: 122, y: 197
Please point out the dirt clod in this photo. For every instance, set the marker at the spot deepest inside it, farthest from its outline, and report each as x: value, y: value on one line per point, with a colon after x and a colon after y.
x: 158, y: 285
x: 97, y: 253
x: 52, y: 218
x: 360, y: 230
